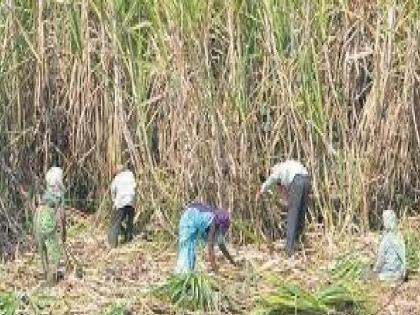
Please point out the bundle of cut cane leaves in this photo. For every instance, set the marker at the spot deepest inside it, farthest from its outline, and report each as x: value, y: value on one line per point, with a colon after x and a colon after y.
x: 291, y: 298
x: 349, y: 268
x: 344, y: 293
x: 192, y: 291
x: 8, y: 304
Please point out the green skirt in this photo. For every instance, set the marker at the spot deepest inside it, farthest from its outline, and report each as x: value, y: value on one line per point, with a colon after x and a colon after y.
x: 46, y: 233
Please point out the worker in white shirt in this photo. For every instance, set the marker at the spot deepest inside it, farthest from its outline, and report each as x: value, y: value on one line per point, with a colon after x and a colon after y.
x: 123, y: 192
x: 294, y: 182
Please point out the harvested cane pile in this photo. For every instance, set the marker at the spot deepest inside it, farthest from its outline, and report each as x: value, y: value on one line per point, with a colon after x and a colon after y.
x: 8, y: 304
x: 192, y: 291
x: 343, y: 293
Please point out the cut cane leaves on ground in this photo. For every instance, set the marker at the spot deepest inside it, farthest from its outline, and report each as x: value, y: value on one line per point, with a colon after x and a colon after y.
x: 8, y: 304
x: 293, y: 298
x: 192, y: 291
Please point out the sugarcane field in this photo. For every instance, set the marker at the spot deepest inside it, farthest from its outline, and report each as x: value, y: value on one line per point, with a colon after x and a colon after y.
x: 235, y: 157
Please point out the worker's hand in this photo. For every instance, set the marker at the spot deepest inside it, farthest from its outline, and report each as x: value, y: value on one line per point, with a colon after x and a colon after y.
x: 213, y: 268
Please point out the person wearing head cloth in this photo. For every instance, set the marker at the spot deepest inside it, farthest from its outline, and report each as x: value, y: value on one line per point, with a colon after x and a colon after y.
x: 123, y: 192
x: 54, y: 196
x: 48, y: 216
x: 201, y: 221
x: 294, y: 182
x: 391, y: 261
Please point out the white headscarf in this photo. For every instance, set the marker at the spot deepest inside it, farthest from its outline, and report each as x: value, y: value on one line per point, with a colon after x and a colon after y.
x: 54, y: 179
x: 390, y: 220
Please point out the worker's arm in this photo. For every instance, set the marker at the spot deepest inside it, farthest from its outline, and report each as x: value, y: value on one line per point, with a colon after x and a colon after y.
x: 271, y: 180
x: 210, y: 246
x: 224, y: 250
x: 284, y: 195
x: 274, y: 178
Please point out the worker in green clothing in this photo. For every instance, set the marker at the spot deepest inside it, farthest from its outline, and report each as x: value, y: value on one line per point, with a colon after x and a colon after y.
x: 49, y: 218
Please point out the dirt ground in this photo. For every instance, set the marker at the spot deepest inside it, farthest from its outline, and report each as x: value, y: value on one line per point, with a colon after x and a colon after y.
x: 126, y: 275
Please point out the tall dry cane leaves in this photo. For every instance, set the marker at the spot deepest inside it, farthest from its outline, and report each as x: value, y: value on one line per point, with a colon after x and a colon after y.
x: 202, y: 98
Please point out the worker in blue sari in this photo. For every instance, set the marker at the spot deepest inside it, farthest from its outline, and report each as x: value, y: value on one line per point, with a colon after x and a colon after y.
x: 201, y: 221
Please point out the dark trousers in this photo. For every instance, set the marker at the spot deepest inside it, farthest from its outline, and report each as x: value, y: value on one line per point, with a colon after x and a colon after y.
x: 119, y: 215
x: 297, y: 205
